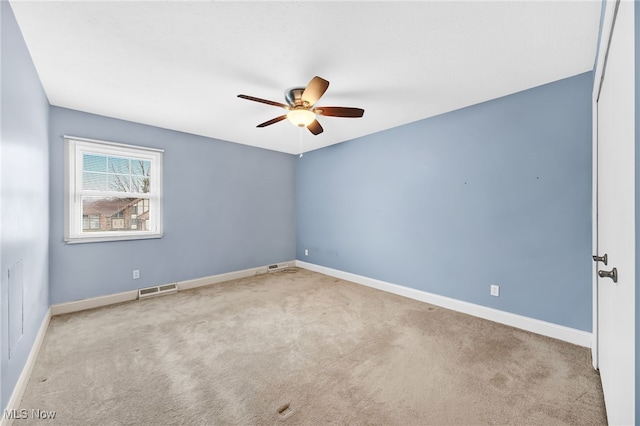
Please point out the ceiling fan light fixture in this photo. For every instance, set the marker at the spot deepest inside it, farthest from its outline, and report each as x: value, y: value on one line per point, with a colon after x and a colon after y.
x: 301, y: 117
x: 300, y: 109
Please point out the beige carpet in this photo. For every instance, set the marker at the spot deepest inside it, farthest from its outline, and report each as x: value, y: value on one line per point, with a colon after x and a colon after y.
x: 304, y: 348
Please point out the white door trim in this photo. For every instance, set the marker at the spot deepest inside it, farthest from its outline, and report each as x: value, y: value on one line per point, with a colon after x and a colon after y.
x: 608, y: 23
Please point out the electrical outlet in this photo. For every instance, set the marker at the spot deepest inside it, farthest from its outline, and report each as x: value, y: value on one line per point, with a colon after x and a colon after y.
x: 136, y: 274
x: 495, y: 290
x: 306, y: 252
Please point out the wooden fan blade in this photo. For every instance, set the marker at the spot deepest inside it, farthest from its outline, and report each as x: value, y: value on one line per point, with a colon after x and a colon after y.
x: 264, y: 101
x: 272, y: 121
x: 314, y: 90
x: 315, y: 127
x: 332, y: 111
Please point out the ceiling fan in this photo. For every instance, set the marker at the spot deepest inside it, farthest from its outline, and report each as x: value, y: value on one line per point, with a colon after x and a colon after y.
x: 300, y: 104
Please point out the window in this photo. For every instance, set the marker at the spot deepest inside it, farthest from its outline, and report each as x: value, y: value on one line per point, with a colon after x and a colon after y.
x: 90, y: 222
x: 113, y: 191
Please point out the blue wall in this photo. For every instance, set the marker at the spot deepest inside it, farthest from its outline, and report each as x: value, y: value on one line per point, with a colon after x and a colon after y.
x: 496, y: 193
x: 24, y: 183
x: 227, y: 207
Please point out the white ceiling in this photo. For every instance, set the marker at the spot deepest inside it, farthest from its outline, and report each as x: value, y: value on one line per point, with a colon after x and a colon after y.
x: 180, y: 64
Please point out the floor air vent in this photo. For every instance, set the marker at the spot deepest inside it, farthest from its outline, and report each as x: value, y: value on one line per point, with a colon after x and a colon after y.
x: 277, y: 267
x: 158, y: 290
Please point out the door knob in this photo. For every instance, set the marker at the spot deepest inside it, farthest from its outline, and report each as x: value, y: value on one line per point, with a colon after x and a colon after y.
x: 613, y: 274
x: 603, y: 259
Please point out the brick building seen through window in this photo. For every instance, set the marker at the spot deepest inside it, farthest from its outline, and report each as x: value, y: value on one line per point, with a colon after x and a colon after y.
x: 121, y: 214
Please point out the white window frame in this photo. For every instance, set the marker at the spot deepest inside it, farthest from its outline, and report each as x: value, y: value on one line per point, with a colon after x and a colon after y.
x: 75, y: 148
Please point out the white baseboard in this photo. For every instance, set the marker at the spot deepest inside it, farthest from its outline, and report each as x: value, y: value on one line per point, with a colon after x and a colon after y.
x: 94, y: 302
x: 215, y: 279
x: 567, y: 334
x: 127, y: 296
x: 23, y: 380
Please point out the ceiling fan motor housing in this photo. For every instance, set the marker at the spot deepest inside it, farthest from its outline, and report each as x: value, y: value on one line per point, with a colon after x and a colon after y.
x: 293, y: 96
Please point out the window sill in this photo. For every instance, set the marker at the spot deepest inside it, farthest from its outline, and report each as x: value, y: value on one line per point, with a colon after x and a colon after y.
x: 83, y: 240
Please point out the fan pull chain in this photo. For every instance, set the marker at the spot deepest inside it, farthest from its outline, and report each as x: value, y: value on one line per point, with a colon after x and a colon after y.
x: 300, y: 140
